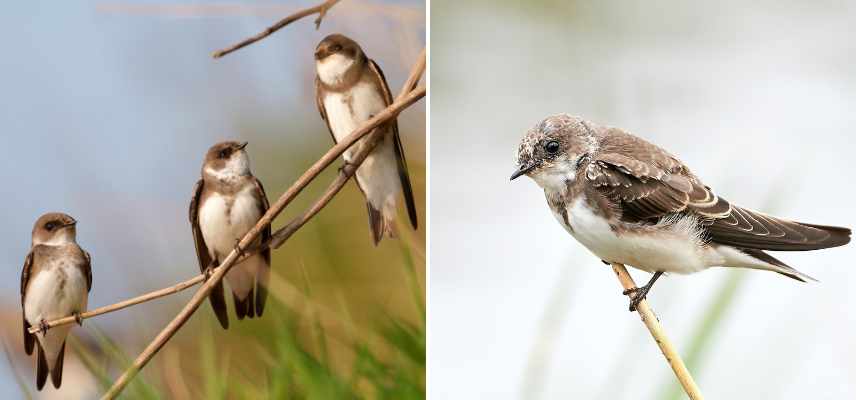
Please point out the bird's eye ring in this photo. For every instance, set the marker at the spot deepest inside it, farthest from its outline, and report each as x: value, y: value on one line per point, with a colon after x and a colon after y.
x: 552, y: 147
x: 224, y: 153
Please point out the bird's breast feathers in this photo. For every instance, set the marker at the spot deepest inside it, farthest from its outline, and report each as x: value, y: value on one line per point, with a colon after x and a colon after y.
x: 672, y: 245
x: 58, y: 290
x: 223, y: 219
x: 348, y: 109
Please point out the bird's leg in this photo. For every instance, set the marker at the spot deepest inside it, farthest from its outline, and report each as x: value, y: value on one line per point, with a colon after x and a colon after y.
x: 78, y: 318
x: 43, y: 326
x: 637, y: 294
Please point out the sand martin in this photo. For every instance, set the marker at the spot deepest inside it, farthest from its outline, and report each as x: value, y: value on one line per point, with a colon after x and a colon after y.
x: 629, y: 201
x: 227, y: 202
x: 55, y: 283
x: 349, y: 89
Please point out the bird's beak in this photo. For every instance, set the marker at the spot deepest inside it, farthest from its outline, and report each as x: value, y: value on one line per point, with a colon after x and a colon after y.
x: 523, y: 170
x: 73, y: 222
x: 242, y: 145
x: 319, y: 53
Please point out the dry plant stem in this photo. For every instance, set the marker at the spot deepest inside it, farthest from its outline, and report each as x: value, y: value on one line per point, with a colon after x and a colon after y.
x: 666, y: 346
x: 277, y: 239
x: 124, y: 304
x: 390, y: 112
x: 320, y: 9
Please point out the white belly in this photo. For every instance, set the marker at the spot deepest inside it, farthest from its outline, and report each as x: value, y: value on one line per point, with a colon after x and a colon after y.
x: 55, y: 292
x: 221, y: 230
x: 670, y: 247
x: 378, y: 175
x: 221, y: 227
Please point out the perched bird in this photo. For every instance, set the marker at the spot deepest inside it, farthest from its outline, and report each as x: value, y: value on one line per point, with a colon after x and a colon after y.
x: 55, y: 283
x: 629, y: 201
x: 350, y: 89
x: 227, y: 202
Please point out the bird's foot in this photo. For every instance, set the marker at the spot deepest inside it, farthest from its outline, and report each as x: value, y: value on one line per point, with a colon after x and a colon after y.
x: 347, y: 168
x: 238, y: 248
x: 43, y: 326
x: 78, y: 318
x: 636, y: 295
x: 207, y: 272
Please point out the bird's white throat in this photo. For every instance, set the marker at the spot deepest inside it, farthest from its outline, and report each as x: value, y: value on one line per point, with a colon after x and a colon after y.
x: 331, y: 70
x: 237, y: 166
x: 554, y: 179
x: 61, y: 238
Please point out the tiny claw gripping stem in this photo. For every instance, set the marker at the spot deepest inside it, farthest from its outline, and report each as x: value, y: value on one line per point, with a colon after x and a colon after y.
x: 43, y: 326
x: 208, y: 271
x: 78, y: 318
x: 238, y: 248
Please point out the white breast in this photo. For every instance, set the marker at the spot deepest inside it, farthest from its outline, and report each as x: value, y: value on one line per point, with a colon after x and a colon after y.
x: 671, y: 246
x: 221, y: 227
x: 57, y: 291
x: 348, y: 109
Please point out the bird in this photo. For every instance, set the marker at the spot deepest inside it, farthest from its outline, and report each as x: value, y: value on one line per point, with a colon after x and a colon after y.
x: 55, y: 283
x: 227, y: 202
x: 350, y: 88
x: 628, y: 201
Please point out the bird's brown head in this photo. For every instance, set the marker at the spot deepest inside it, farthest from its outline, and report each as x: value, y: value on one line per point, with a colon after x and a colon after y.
x: 226, y: 160
x: 553, y: 149
x: 337, y: 44
x: 54, y: 229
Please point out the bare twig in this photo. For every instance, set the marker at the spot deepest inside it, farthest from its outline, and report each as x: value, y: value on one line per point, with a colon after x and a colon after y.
x: 666, y: 346
x: 160, y: 340
x: 277, y: 239
x: 124, y: 304
x: 320, y: 9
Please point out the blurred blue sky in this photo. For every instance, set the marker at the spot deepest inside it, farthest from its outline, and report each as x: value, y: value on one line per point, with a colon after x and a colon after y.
x: 109, y: 107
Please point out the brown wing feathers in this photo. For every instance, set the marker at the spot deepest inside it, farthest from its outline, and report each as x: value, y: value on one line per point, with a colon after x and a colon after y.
x: 650, y: 184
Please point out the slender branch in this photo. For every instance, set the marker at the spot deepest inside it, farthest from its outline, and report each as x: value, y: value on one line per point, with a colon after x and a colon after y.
x: 124, y: 304
x: 166, y: 334
x: 666, y: 346
x: 320, y: 9
x: 277, y: 239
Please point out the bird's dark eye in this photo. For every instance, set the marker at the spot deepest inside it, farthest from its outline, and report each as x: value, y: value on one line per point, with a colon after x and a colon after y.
x: 552, y: 147
x: 335, y: 48
x: 224, y: 153
x: 50, y: 226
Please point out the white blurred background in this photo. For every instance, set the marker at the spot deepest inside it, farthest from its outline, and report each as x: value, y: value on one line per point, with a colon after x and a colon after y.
x: 758, y: 99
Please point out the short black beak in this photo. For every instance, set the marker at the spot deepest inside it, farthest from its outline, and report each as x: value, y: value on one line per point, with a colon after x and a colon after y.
x: 73, y: 222
x: 242, y: 145
x: 522, y: 171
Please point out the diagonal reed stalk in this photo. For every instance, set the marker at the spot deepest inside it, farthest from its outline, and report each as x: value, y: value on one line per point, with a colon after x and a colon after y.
x: 404, y: 100
x: 653, y: 324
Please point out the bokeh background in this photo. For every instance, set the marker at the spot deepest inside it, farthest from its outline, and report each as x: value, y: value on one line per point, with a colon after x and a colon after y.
x: 108, y: 110
x: 757, y: 98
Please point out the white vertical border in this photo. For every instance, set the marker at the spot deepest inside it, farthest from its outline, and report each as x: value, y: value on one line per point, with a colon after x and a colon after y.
x: 427, y: 198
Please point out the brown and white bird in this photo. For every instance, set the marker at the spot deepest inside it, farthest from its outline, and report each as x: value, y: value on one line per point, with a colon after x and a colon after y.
x: 350, y: 89
x: 55, y: 283
x: 629, y: 201
x: 227, y: 202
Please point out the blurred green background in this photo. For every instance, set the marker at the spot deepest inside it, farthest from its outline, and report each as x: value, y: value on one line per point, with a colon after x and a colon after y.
x: 110, y: 107
x: 756, y: 97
